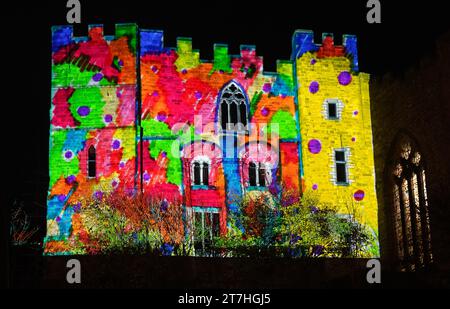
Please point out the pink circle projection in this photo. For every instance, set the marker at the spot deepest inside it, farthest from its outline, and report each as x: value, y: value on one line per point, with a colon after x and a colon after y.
x: 314, y: 87
x: 345, y: 78
x: 359, y: 195
x: 314, y: 146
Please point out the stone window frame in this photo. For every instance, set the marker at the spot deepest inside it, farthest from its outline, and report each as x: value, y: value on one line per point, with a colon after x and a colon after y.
x: 339, y: 109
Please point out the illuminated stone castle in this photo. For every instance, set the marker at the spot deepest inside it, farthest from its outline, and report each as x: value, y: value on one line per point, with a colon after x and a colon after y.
x: 131, y: 115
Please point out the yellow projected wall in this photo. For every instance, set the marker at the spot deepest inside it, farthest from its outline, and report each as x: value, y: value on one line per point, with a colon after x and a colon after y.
x: 334, y: 113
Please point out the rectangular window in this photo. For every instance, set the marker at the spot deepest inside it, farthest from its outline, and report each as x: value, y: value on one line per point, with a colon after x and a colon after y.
x: 92, y: 172
x: 205, y: 174
x: 262, y: 176
x: 332, y: 110
x: 200, y: 172
x: 252, y: 174
x: 206, y: 228
x: 197, y: 175
x: 91, y: 169
x: 341, y: 167
x: 257, y: 175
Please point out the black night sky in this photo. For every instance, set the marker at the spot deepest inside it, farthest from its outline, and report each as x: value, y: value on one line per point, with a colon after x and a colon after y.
x: 406, y: 34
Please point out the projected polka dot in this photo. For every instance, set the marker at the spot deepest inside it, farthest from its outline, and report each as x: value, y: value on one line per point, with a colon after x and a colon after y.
x: 359, y: 195
x: 313, y: 61
x: 116, y: 144
x: 315, y: 186
x: 314, y: 146
x: 267, y: 87
x: 146, y: 177
x: 198, y: 95
x: 353, y: 139
x: 355, y: 113
x: 161, y: 116
x: 108, y: 118
x: 68, y: 155
x: 345, y: 78
x: 265, y: 111
x: 97, y: 77
x: 98, y: 195
x: 83, y: 111
x: 77, y: 207
x: 71, y: 179
x: 314, y: 87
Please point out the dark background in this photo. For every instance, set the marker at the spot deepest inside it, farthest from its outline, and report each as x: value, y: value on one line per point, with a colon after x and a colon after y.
x: 407, y: 33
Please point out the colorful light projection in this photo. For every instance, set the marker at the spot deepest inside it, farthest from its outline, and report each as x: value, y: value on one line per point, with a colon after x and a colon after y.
x: 174, y: 142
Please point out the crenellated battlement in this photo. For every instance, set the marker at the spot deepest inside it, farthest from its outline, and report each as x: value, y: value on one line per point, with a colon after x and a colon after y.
x: 63, y: 35
x: 303, y: 42
x: 152, y: 42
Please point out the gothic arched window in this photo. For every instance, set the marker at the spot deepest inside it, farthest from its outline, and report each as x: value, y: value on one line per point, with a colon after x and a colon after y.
x: 233, y: 108
x: 92, y: 173
x: 411, y: 214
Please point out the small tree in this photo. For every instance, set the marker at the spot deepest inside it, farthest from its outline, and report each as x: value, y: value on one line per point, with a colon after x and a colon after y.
x: 120, y: 222
x: 20, y: 230
x: 313, y: 229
